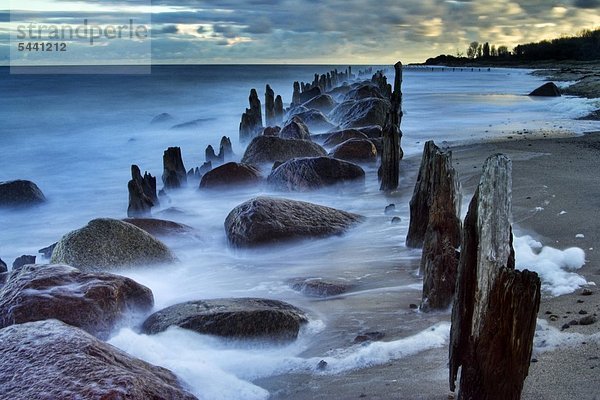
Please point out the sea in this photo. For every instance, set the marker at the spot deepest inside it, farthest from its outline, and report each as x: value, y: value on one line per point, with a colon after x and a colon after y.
x: 77, y: 136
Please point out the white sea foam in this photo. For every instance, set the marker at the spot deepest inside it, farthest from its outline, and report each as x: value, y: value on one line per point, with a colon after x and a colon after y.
x: 555, y: 267
x: 217, y: 369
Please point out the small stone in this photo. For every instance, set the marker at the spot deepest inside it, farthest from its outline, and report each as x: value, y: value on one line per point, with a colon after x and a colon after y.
x: 534, y: 360
x: 588, y: 320
x: 413, y: 306
x: 553, y: 317
x: 396, y: 220
x: 322, y: 365
x: 565, y: 326
x: 369, y: 337
x: 579, y: 301
x: 390, y: 208
x: 573, y: 322
x: 586, y: 292
x: 582, y: 312
x: 548, y: 312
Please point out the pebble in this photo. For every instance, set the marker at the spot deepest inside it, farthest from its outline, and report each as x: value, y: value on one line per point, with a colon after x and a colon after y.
x: 390, y: 208
x: 565, y: 326
x: 553, y: 317
x: 579, y: 301
x: 582, y: 312
x: 586, y: 292
x: 413, y: 306
x: 322, y: 365
x: 396, y: 220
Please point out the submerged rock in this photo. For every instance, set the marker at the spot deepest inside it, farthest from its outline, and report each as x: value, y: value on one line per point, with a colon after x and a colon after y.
x: 548, y: 89
x: 310, y: 173
x: 249, y: 318
x: 63, y: 362
x: 319, y: 287
x: 92, y: 302
x: 268, y: 149
x: 230, y: 174
x: 264, y: 220
x: 358, y: 150
x: 20, y: 193
x: 163, y: 117
x: 105, y: 244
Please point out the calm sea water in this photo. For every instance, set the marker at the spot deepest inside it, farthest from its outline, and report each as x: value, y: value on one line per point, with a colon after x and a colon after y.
x: 77, y: 135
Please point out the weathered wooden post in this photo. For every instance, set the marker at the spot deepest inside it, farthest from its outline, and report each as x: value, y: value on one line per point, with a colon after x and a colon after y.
x: 392, y: 153
x: 442, y: 236
x: 269, y: 107
x: 495, y: 307
x: 251, y: 121
x: 142, y: 193
x: 174, y: 174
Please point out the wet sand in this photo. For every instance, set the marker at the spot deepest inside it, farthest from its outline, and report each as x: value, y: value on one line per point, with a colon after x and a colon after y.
x: 556, y: 174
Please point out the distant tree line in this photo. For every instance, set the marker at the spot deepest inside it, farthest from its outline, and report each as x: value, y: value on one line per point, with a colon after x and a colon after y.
x: 582, y: 47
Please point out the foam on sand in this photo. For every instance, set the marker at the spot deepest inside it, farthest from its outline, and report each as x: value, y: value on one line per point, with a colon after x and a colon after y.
x: 555, y: 267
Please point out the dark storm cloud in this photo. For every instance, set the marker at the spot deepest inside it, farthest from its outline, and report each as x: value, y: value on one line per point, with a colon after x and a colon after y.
x: 587, y: 4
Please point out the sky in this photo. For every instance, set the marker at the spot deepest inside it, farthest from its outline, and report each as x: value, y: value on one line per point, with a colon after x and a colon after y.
x: 304, y: 31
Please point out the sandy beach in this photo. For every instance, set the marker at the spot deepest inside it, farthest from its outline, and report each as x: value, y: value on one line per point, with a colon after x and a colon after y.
x: 555, y: 199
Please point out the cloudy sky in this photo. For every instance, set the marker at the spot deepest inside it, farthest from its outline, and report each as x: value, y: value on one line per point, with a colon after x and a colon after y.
x: 314, y: 31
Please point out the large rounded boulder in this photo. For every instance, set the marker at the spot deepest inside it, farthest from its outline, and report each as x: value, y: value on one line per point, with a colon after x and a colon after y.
x: 310, y: 173
x: 105, y: 244
x: 93, y: 302
x: 323, y: 103
x: 20, y: 193
x: 363, y: 92
x: 264, y: 220
x: 295, y: 129
x: 159, y: 227
x: 52, y: 360
x: 354, y: 114
x: 338, y: 137
x: 248, y: 318
x: 315, y: 120
x: 548, y: 89
x: 229, y: 175
x: 358, y: 150
x: 268, y: 149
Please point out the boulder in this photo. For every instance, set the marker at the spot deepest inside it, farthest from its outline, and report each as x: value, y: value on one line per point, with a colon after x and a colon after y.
x: 363, y: 91
x: 309, y: 94
x: 315, y: 120
x: 271, y: 131
x: 319, y: 287
x: 264, y: 220
x: 230, y: 174
x: 354, y: 114
x: 268, y: 149
x: 248, y: 318
x: 46, y: 252
x: 295, y: 129
x: 339, y: 137
x: 105, y: 244
x: 20, y: 193
x: 372, y: 131
x: 93, y: 302
x: 359, y: 150
x: 338, y: 93
x: 323, y: 103
x: 309, y: 173
x: 23, y: 260
x: 548, y: 89
x: 52, y: 360
x: 159, y: 227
